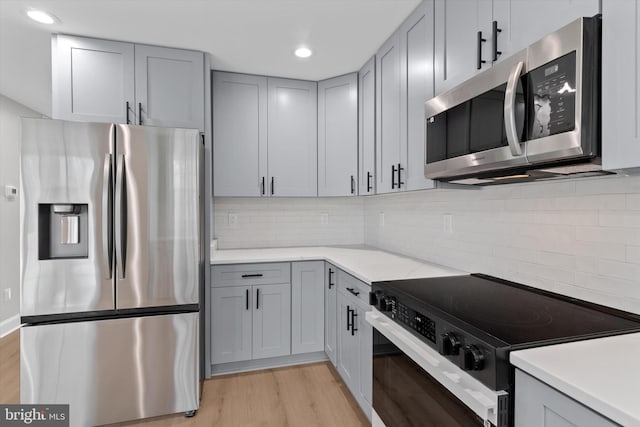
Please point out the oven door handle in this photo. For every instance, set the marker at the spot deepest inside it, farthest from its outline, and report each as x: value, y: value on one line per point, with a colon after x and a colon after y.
x: 510, y: 109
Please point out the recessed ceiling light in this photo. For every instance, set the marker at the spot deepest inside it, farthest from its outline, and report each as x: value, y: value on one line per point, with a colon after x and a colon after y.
x: 303, y: 52
x: 40, y: 16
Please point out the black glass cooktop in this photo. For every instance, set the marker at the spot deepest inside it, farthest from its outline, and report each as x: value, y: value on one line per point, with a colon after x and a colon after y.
x: 513, y: 313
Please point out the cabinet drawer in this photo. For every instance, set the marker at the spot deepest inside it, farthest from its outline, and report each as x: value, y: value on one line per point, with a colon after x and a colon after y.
x: 250, y: 274
x: 351, y: 286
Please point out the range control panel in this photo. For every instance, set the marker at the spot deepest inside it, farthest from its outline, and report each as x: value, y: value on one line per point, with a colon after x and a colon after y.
x: 416, y: 321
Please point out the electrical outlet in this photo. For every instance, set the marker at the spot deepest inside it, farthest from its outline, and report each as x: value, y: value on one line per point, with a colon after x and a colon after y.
x: 381, y: 219
x: 233, y: 218
x: 324, y: 218
x: 447, y: 223
x: 6, y: 295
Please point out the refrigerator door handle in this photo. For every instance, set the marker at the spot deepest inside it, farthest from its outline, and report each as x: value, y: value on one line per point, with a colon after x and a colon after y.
x: 121, y: 217
x: 107, y: 201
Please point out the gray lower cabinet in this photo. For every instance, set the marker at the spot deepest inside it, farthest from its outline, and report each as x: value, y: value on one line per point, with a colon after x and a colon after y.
x: 108, y: 81
x: 307, y: 315
x: 250, y: 311
x: 539, y: 405
x: 355, y: 339
x: 330, y: 313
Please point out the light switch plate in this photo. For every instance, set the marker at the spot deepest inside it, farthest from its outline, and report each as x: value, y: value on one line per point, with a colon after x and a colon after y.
x: 10, y: 192
x: 324, y: 218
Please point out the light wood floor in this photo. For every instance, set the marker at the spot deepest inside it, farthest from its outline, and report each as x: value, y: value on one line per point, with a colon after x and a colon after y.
x: 307, y: 395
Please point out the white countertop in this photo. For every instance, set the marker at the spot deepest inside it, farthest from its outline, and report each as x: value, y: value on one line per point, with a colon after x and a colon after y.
x: 368, y: 265
x: 602, y: 374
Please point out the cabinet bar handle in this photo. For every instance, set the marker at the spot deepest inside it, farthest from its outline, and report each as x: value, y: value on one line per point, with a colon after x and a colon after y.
x: 257, y: 298
x: 369, y: 187
x: 272, y: 185
x: 400, y: 183
x: 262, y: 187
x: 128, y: 120
x: 353, y: 186
x: 393, y: 176
x: 496, y: 30
x: 140, y: 113
x: 244, y: 276
x: 348, y: 317
x: 330, y: 273
x: 247, y: 297
x: 353, y: 291
x: 353, y: 322
x: 480, y: 41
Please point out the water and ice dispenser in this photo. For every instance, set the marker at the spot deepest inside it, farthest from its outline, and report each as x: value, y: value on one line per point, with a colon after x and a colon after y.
x: 62, y: 231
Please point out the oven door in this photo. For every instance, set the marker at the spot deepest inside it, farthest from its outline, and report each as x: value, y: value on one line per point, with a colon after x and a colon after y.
x: 407, y: 394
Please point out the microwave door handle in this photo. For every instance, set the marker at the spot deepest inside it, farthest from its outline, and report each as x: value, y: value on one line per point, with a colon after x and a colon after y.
x: 510, y: 109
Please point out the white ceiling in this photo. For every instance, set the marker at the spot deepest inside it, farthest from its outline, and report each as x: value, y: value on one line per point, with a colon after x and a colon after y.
x: 249, y: 36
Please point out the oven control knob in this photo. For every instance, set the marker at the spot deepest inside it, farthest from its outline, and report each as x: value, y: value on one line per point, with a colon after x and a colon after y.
x: 471, y: 358
x: 449, y: 344
x: 385, y: 304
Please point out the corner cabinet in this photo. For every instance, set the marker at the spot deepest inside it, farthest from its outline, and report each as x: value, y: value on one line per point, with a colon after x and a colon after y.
x: 367, y: 128
x: 307, y: 308
x: 621, y: 85
x: 338, y: 136
x: 404, y: 80
x: 264, y: 136
x: 539, y: 405
x: 108, y: 81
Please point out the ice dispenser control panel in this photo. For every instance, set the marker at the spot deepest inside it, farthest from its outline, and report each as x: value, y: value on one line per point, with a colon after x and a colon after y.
x: 62, y: 231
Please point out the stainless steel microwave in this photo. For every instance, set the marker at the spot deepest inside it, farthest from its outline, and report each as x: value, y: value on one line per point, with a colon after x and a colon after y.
x: 533, y: 115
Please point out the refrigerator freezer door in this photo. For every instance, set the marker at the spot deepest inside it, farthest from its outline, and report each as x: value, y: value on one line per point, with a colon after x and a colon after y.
x: 157, y: 221
x: 112, y: 370
x: 65, y: 226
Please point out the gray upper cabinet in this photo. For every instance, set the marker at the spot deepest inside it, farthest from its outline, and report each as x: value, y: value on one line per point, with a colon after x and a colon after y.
x: 388, y: 115
x: 307, y: 308
x: 338, y: 136
x: 92, y: 79
x: 620, y: 85
x: 106, y: 81
x: 239, y: 134
x: 292, y: 137
x: 169, y: 87
x: 367, y: 127
x: 518, y: 29
x: 416, y: 41
x: 458, y: 24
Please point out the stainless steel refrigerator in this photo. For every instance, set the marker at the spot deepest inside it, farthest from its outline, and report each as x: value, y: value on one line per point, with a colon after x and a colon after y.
x: 111, y: 257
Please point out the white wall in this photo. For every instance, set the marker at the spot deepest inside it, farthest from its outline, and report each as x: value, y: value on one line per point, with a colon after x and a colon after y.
x: 277, y: 222
x: 10, y: 113
x: 580, y: 238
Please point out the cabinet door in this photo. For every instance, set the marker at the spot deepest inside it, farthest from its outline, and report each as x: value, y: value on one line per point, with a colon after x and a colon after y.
x: 230, y: 324
x: 92, y: 79
x: 348, y: 358
x: 620, y: 85
x: 330, y: 313
x: 307, y: 306
x: 292, y: 135
x: 538, y: 405
x: 365, y: 354
x: 271, y: 320
x: 524, y: 22
x: 417, y: 86
x: 338, y: 136
x: 367, y: 124
x: 388, y: 114
x: 457, y: 23
x: 169, y: 87
x: 239, y: 135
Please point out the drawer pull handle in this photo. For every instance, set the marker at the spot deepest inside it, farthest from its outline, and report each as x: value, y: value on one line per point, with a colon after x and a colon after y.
x: 353, y: 291
x: 245, y: 276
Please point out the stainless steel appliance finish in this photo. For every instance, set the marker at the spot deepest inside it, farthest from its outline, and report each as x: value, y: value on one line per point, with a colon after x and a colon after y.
x: 127, y: 368
x: 111, y: 267
x: 522, y: 151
